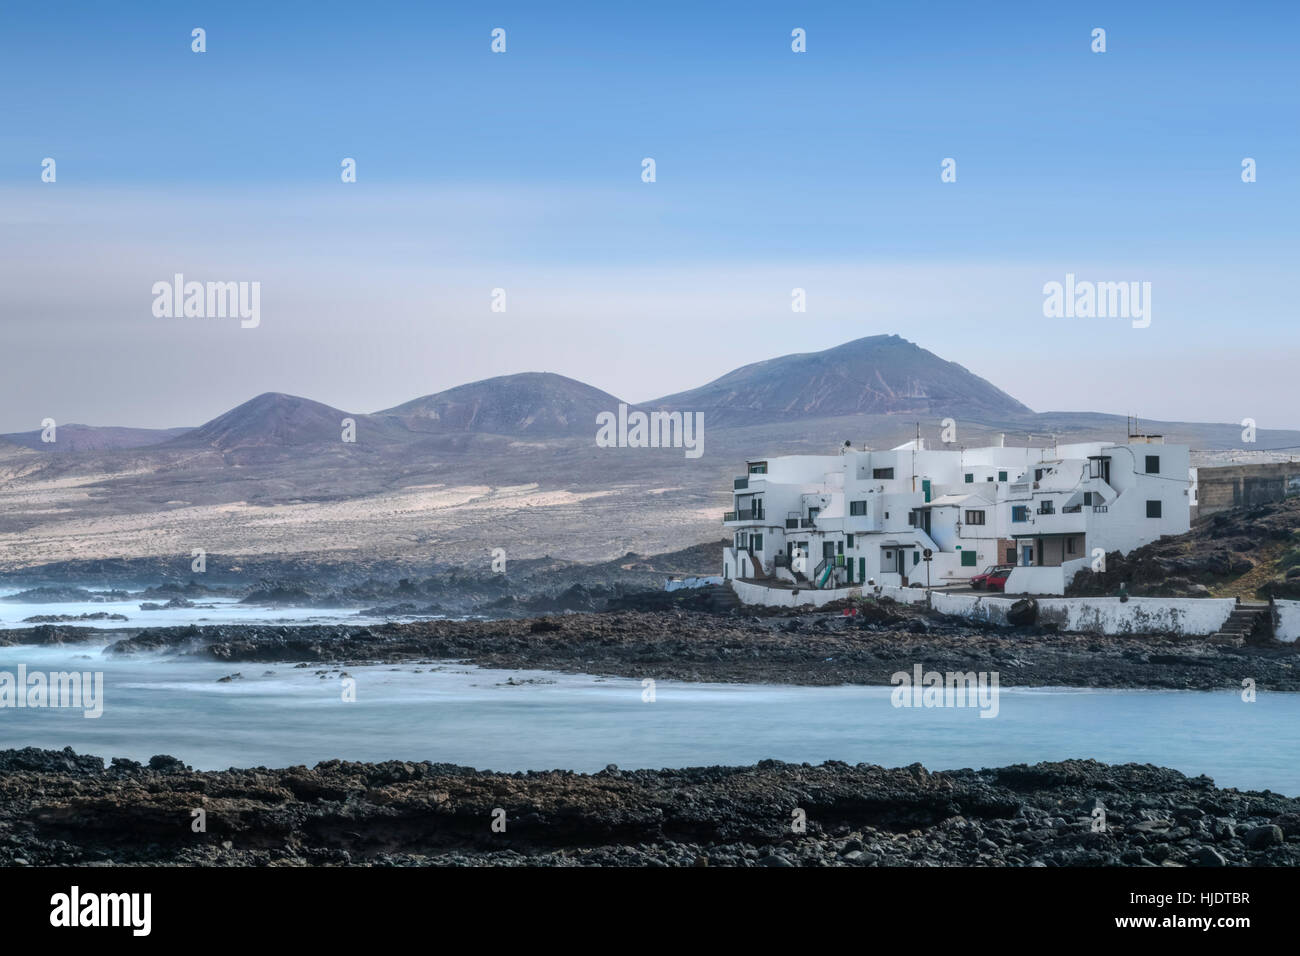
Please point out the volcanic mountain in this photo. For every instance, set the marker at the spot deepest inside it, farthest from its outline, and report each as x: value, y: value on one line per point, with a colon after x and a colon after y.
x: 279, y: 420
x: 880, y: 374
x: 529, y: 404
x: 73, y: 437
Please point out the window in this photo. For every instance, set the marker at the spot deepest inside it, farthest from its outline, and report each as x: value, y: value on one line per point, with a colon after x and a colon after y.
x: 1087, y: 498
x: 1002, y: 476
x: 1011, y: 555
x: 916, y: 557
x: 758, y: 468
x: 849, y: 539
x: 1047, y: 507
x: 757, y: 542
x: 969, y: 478
x: 839, y: 547
x: 974, y: 517
x: 1153, y: 509
x: 989, y: 478
x: 968, y: 559
x: 1070, y: 545
x: 1153, y: 464
x: 882, y: 473
x: 857, y: 508
x: 1019, y: 512
x: 911, y: 519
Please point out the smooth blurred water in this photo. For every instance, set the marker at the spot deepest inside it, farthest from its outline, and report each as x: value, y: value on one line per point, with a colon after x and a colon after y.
x: 223, y: 611
x: 465, y: 715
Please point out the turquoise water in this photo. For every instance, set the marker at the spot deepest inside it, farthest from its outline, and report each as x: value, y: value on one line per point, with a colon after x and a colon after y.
x: 465, y: 715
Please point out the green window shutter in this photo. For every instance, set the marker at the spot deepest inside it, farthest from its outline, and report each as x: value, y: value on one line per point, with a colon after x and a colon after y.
x: 968, y: 559
x: 925, y: 487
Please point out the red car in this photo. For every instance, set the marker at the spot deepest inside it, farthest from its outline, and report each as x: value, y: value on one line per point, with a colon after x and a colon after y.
x: 994, y: 578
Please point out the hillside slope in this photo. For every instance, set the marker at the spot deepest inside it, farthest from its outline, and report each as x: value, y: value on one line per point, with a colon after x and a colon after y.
x: 881, y: 374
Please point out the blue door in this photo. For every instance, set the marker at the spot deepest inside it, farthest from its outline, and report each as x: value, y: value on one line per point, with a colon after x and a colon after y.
x: 1027, y: 555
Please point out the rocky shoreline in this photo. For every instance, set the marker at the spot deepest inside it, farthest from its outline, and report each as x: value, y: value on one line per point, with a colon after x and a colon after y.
x: 820, y: 649
x: 61, y: 808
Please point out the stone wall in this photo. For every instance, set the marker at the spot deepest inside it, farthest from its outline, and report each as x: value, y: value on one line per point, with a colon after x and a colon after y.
x: 1238, y: 486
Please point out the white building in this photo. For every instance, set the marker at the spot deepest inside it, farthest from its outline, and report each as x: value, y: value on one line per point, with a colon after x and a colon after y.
x: 836, y: 520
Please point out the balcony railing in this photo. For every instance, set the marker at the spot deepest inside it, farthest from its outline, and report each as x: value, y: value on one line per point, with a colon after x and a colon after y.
x: 817, y: 573
x: 1072, y: 509
x: 728, y: 516
x: 740, y: 483
x: 748, y: 514
x: 807, y: 522
x: 792, y: 523
x: 1100, y: 509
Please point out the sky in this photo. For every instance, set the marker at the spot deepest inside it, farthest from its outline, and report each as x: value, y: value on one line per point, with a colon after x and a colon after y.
x: 522, y: 171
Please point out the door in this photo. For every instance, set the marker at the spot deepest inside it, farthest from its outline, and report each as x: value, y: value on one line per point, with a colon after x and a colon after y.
x: 1027, y: 555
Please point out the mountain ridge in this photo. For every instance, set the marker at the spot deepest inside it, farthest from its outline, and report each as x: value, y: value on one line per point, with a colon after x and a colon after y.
x: 880, y: 374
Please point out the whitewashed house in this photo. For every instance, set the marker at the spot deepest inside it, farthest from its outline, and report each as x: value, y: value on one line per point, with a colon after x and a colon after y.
x: 835, y: 521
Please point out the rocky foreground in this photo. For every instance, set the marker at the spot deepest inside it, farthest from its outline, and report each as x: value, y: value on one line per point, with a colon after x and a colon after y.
x: 60, y: 808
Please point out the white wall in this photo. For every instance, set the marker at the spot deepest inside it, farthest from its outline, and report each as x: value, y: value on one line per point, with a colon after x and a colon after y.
x: 903, y: 595
x: 1044, y: 580
x: 1288, y: 628
x: 1183, y: 616
x: 786, y: 597
x: 1036, y: 581
x: 1186, y: 617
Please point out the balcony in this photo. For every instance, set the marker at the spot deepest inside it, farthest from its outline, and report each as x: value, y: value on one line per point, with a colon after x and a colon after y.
x: 807, y: 522
x: 1066, y: 522
x: 740, y: 483
x: 748, y: 514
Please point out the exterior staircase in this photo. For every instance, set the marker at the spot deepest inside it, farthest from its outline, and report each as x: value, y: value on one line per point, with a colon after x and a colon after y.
x: 1247, y: 622
x: 722, y: 599
x: 759, y: 573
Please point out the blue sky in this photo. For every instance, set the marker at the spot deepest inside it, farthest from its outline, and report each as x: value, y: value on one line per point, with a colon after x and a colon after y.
x: 774, y: 170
